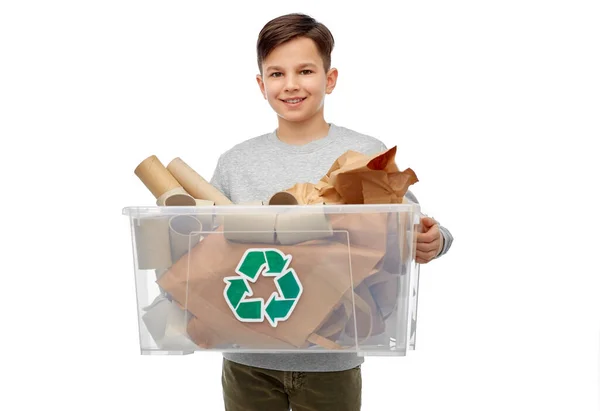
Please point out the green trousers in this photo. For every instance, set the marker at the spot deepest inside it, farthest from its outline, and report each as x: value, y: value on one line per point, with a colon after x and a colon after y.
x: 248, y: 388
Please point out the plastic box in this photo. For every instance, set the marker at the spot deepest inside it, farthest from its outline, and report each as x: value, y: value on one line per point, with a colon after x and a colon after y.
x: 326, y: 278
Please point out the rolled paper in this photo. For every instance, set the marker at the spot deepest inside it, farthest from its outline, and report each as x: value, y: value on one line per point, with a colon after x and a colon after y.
x: 204, y: 203
x: 194, y: 184
x: 250, y: 228
x: 206, y: 218
x: 153, y: 249
x: 184, y: 233
x: 155, y: 176
x: 295, y: 228
x: 176, y: 197
x: 283, y: 198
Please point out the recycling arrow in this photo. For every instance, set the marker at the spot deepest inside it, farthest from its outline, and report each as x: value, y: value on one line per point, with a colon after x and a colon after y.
x: 269, y: 262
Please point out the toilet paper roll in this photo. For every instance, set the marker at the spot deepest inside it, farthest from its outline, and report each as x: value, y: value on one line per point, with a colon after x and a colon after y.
x: 283, y: 198
x: 176, y: 197
x: 194, y: 184
x: 204, y: 203
x: 184, y: 233
x: 206, y: 218
x: 153, y: 249
x: 248, y: 228
x: 295, y: 228
x: 155, y: 176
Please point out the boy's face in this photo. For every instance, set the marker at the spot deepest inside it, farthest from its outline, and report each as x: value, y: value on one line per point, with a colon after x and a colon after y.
x: 294, y: 81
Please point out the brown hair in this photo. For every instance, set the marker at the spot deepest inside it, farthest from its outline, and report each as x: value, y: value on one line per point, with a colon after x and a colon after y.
x: 289, y: 27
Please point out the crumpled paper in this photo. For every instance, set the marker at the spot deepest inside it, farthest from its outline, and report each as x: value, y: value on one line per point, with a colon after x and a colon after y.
x: 355, y: 178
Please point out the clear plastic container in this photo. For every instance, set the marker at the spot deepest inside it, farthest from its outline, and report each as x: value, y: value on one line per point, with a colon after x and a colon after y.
x: 325, y: 278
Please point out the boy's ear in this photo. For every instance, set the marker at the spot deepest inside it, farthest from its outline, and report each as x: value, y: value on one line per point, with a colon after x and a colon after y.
x: 261, y: 85
x: 332, y: 76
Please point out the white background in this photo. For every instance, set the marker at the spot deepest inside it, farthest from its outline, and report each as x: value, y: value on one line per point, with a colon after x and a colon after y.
x: 495, y: 105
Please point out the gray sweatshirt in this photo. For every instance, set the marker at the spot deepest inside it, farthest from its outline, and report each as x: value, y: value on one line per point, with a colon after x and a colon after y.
x: 259, y: 167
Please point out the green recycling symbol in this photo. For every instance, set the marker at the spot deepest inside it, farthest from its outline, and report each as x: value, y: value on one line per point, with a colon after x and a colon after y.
x: 268, y: 262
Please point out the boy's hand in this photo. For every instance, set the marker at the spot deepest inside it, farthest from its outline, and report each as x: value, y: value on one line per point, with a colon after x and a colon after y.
x: 429, y: 242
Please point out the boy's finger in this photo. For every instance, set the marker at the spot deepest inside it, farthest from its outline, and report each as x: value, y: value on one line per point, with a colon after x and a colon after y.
x: 428, y: 222
x: 426, y: 247
x: 429, y: 236
x: 425, y: 255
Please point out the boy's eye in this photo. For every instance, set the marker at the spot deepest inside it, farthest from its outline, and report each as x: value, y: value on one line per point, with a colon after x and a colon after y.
x: 306, y: 71
x: 276, y: 74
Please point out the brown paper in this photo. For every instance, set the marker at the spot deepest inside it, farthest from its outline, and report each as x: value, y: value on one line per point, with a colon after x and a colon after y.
x: 356, y: 178
x: 194, y: 184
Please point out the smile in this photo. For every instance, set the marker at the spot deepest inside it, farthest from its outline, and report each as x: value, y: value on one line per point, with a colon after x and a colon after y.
x: 294, y: 101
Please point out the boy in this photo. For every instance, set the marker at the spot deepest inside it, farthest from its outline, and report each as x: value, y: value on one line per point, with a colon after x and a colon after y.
x: 295, y: 75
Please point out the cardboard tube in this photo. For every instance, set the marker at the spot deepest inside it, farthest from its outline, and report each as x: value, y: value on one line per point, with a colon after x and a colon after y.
x: 207, y: 218
x: 194, y: 184
x: 296, y: 228
x: 152, y: 243
x: 155, y: 176
x: 184, y: 233
x: 176, y: 197
x: 283, y: 198
x: 244, y: 228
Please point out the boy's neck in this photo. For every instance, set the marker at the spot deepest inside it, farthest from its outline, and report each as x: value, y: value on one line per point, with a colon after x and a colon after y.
x: 302, y: 133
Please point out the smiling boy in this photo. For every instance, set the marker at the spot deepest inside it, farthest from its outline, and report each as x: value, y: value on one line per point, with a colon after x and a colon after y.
x: 295, y: 75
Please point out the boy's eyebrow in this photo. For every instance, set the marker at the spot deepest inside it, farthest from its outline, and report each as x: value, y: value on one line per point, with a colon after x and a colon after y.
x: 299, y: 66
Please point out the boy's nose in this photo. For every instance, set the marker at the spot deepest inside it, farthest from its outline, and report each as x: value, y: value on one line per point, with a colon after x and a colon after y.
x: 291, y: 83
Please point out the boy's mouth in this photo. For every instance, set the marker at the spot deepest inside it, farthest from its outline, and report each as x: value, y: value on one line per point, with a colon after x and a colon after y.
x: 294, y: 101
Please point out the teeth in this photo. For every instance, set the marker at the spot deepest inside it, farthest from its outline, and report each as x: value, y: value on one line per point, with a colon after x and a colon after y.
x: 294, y: 101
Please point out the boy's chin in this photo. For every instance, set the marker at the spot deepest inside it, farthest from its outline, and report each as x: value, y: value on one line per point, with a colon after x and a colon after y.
x: 296, y: 117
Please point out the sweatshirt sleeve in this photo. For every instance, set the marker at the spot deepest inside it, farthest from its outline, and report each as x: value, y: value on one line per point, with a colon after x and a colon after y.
x: 219, y: 179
